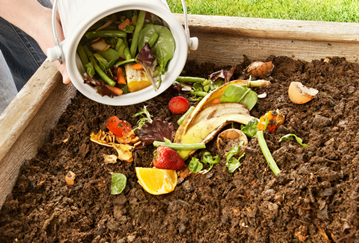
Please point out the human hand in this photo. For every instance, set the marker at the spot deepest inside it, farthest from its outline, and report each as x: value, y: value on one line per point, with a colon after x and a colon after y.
x: 45, y: 38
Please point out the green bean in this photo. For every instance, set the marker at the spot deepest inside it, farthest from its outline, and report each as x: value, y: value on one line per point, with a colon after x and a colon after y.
x: 179, y: 122
x: 124, y: 62
x: 140, y: 22
x: 152, y: 41
x: 118, y: 44
x: 105, y: 33
x: 184, y: 79
x: 127, y: 53
x: 103, y: 75
x: 180, y: 146
x: 82, y: 55
x: 198, y: 93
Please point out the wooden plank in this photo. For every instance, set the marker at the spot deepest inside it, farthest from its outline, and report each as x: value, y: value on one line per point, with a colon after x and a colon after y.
x: 27, y: 121
x: 274, y: 28
x: 224, y: 40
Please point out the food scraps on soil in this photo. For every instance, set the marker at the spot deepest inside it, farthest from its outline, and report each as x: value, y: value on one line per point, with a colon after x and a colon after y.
x: 313, y: 199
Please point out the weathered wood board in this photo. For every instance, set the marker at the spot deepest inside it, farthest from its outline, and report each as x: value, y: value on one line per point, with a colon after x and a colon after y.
x: 25, y: 124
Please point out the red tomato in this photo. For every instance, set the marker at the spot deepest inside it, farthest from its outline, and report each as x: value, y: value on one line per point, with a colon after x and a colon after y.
x: 117, y: 126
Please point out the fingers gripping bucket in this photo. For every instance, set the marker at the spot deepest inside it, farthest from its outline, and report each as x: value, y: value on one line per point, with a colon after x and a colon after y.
x: 77, y: 16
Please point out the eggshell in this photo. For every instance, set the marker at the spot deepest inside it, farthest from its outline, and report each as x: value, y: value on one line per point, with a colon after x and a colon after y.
x: 300, y: 94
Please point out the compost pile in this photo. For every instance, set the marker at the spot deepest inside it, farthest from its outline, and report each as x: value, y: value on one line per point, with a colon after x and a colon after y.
x: 313, y: 199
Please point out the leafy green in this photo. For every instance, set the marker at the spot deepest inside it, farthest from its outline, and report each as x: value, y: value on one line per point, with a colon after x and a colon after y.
x: 290, y: 137
x: 110, y: 55
x: 232, y: 162
x: 165, y: 46
x: 240, y: 94
x: 118, y: 183
x: 90, y: 69
x: 210, y: 160
x: 145, y: 116
x: 102, y: 62
x: 195, y: 165
x: 251, y: 128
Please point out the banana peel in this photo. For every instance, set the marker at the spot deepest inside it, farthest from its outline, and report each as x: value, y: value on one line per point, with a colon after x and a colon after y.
x: 220, y: 109
x: 205, y: 130
x: 207, y: 119
x: 205, y: 102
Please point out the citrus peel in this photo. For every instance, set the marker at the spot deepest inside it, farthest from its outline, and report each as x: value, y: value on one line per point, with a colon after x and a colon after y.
x: 156, y: 181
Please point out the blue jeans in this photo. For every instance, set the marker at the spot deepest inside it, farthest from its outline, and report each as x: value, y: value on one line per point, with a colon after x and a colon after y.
x: 20, y: 54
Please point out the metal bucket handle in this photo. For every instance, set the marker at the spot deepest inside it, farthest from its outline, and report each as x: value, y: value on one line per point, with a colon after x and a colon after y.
x: 56, y: 53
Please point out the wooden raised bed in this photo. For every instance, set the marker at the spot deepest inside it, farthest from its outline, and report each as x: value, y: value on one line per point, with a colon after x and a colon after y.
x: 25, y: 124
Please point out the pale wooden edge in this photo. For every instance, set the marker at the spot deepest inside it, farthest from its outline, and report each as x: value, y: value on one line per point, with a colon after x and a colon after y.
x: 28, y: 121
x: 275, y: 28
x: 25, y: 105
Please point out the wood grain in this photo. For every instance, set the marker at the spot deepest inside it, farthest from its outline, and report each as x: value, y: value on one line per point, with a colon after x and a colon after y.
x: 28, y: 120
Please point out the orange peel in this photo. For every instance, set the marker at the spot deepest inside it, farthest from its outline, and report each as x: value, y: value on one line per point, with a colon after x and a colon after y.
x: 156, y: 181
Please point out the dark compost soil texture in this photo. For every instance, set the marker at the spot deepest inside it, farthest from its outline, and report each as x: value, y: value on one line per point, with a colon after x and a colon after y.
x: 315, y: 198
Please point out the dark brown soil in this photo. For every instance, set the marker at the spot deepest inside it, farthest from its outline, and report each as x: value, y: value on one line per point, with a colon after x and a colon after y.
x: 315, y: 198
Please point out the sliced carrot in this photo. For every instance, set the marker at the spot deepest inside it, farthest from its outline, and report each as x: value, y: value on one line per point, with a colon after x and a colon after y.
x: 137, y: 66
x: 121, y: 80
x: 124, y: 24
x: 128, y: 21
x: 216, y: 101
x: 115, y: 90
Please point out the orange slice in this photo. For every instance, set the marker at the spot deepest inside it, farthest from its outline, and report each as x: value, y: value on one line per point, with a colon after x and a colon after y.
x: 157, y: 181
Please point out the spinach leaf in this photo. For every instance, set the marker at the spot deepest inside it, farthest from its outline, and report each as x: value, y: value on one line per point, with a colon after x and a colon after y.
x: 209, y: 159
x: 289, y: 137
x: 240, y: 94
x: 232, y: 162
x: 165, y: 46
x: 251, y: 128
x: 110, y: 55
x: 118, y: 183
x: 195, y: 165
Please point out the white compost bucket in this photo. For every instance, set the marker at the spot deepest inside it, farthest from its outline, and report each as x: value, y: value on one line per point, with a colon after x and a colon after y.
x: 77, y: 16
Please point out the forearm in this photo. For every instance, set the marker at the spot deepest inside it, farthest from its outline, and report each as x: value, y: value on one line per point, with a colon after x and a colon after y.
x: 25, y: 14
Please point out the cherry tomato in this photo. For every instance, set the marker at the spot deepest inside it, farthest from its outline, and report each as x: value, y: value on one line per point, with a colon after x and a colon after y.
x: 117, y: 126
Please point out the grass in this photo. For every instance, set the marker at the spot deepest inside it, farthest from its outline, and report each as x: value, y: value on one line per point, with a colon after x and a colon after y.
x: 316, y: 10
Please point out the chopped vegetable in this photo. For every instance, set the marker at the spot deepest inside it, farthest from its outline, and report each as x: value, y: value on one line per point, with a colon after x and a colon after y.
x: 252, y: 130
x: 178, y: 105
x: 289, y: 137
x: 195, y: 165
x: 210, y: 160
x: 232, y: 162
x: 271, y: 121
x: 137, y: 66
x: 179, y: 146
x: 120, y: 79
x: 118, y: 183
x: 135, y: 39
x: 145, y: 117
x: 157, y: 130
x: 185, y: 115
x: 117, y: 126
x: 115, y: 90
x: 240, y: 94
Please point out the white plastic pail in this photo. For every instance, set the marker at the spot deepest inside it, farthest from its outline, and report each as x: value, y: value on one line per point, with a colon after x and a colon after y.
x: 77, y: 16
